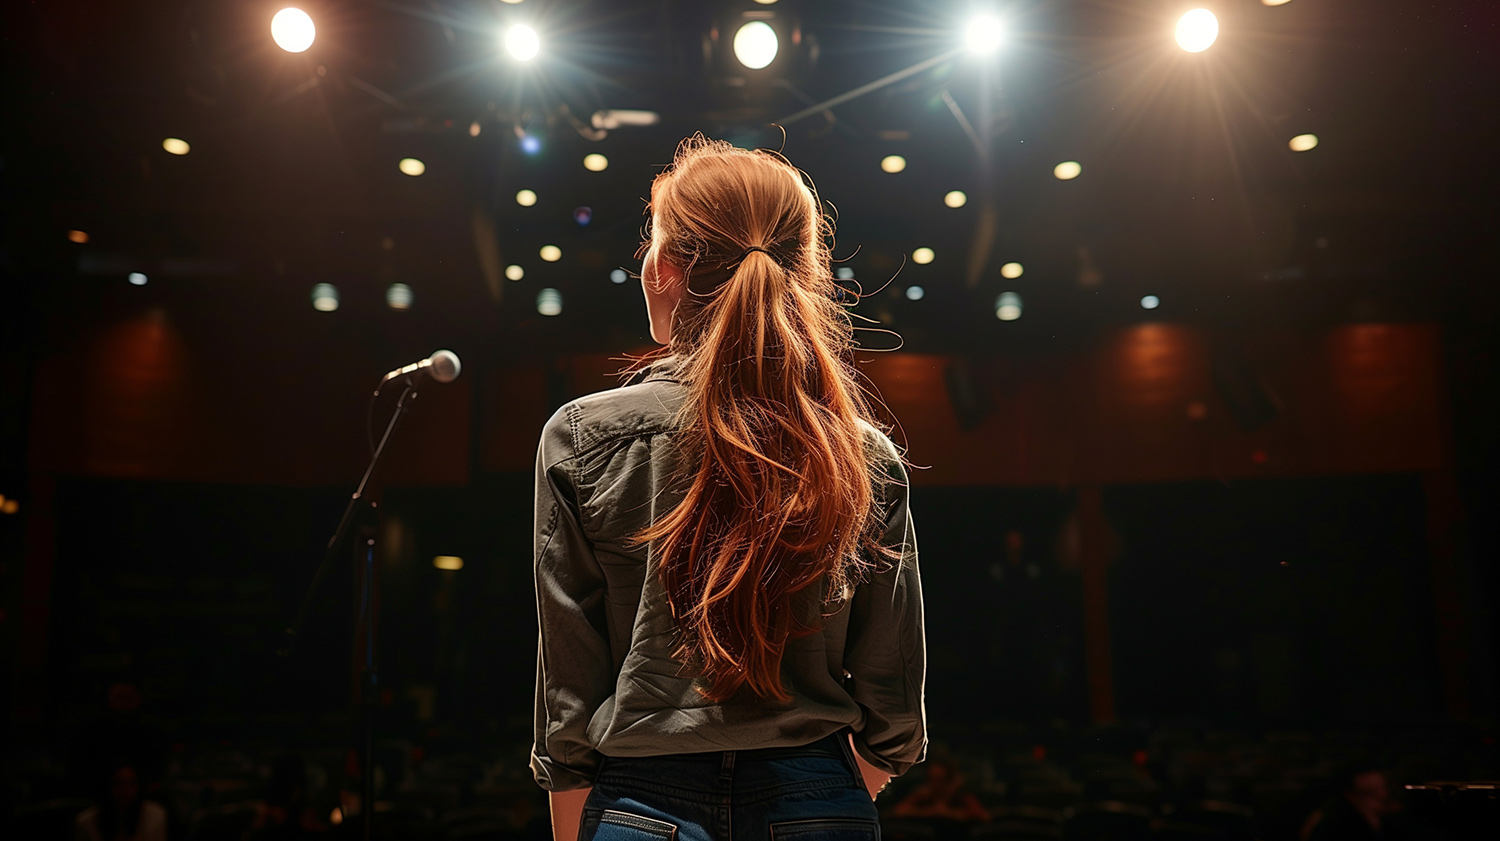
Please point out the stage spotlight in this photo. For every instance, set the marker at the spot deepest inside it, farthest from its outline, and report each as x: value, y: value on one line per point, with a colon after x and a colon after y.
x: 1197, y: 30
x: 525, y: 198
x: 1011, y: 271
x: 293, y: 30
x: 176, y: 146
x: 915, y: 293
x: 984, y: 34
x: 411, y: 166
x: 398, y: 297
x: 922, y: 256
x: 550, y: 253
x: 1008, y: 306
x: 78, y: 236
x: 755, y: 44
x: 514, y: 272
x: 448, y: 562
x: 531, y: 144
x: 1303, y: 143
x: 843, y: 273
x: 619, y: 276
x: 595, y: 162
x: 522, y: 43
x: 1150, y: 302
x: 1067, y: 170
x: 549, y: 302
x: 956, y: 198
x: 325, y: 298
x: 136, y: 279
x: 892, y: 163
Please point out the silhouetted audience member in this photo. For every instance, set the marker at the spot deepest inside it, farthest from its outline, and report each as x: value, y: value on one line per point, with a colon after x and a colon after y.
x: 120, y: 813
x: 1364, y: 810
x: 286, y: 812
x: 942, y: 795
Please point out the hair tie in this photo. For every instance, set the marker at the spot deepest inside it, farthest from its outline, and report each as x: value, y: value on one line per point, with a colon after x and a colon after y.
x: 755, y: 248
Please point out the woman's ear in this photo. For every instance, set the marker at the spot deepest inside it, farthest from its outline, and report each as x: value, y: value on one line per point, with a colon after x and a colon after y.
x: 669, y: 278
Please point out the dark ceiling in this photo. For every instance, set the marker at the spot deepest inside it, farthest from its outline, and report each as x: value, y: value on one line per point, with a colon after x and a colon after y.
x: 1188, y: 192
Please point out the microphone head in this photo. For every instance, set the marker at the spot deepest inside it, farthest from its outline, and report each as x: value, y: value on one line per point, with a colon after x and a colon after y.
x: 444, y: 366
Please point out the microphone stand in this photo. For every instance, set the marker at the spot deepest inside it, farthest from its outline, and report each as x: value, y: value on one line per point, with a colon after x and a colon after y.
x: 363, y: 507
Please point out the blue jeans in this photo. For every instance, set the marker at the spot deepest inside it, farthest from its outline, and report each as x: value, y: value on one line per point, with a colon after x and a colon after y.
x: 809, y: 793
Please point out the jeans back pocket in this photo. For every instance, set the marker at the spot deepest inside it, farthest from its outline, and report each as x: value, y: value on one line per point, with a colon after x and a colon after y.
x: 826, y: 829
x: 623, y: 826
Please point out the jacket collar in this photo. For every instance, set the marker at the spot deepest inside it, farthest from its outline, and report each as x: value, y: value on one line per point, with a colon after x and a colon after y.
x: 667, y: 368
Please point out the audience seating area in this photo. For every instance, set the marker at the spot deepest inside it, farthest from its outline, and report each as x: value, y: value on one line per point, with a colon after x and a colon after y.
x: 1179, y: 783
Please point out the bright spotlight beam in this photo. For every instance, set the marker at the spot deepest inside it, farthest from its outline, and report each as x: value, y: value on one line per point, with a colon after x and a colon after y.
x: 293, y: 30
x: 890, y: 79
x: 756, y: 45
x: 1197, y: 30
x: 522, y: 42
x: 984, y: 34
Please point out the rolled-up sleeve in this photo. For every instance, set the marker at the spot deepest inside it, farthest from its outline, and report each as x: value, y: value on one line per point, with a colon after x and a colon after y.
x: 886, y: 654
x: 575, y: 672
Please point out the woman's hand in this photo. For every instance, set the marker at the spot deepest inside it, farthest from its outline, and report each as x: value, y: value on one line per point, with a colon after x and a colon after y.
x: 874, y: 778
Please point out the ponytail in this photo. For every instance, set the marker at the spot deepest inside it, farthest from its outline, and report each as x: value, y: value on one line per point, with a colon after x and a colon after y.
x: 777, y: 516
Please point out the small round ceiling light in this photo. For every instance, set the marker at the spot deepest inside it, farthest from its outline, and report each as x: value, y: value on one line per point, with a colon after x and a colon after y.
x: 549, y: 302
x: 1303, y: 143
x: 1008, y: 306
x: 595, y: 162
x: 915, y: 293
x: 550, y: 253
x: 411, y: 166
x: 1011, y: 271
x: 325, y: 297
x: 618, y: 276
x: 525, y: 198
x: 514, y: 272
x: 892, y: 164
x: 1067, y: 170
x: 923, y: 256
x: 398, y: 297
x: 136, y: 278
x: 1150, y: 302
x: 176, y: 146
x: 955, y: 198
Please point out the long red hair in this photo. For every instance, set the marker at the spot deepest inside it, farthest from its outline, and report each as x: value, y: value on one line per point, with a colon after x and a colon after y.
x: 778, y: 517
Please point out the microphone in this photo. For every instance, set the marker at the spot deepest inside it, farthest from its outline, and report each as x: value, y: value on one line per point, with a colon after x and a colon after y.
x: 441, y: 367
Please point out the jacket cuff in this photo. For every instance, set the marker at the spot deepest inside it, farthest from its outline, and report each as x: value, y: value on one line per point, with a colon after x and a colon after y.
x: 894, y: 768
x: 554, y: 777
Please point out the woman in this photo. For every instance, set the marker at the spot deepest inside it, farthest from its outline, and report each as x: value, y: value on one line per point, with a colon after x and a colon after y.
x: 726, y: 568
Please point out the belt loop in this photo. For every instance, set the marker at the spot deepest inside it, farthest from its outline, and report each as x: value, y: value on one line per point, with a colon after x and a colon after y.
x: 726, y: 767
